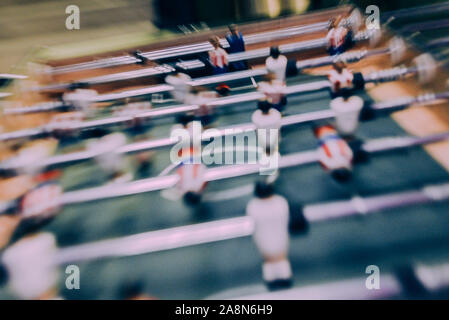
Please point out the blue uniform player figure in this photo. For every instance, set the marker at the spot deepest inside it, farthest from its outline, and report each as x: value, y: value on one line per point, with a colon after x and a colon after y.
x: 236, y: 45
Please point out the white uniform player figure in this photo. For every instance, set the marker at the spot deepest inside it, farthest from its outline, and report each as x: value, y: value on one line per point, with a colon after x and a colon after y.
x: 276, y: 63
x: 341, y: 80
x: 334, y: 153
x: 28, y: 158
x: 190, y: 169
x: 270, y: 213
x: 274, y: 91
x: 81, y: 99
x: 66, y: 123
x: 347, y: 113
x: 31, y: 269
x: 180, y: 82
x: 268, y: 123
x: 108, y: 159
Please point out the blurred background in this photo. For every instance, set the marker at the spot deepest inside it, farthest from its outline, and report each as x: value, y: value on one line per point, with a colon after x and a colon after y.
x: 28, y: 27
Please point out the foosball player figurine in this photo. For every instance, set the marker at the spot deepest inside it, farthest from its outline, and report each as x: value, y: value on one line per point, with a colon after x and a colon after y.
x: 334, y: 153
x: 276, y: 63
x: 36, y: 195
x: 30, y: 268
x: 341, y: 79
x: 236, y: 45
x: 270, y: 213
x: 268, y: 122
x: 218, y: 56
x: 347, y: 113
x: 202, y: 98
x: 191, y: 178
x: 139, y: 129
x: 274, y: 91
x: 338, y: 38
x: 81, y: 100
x: 180, y: 82
x: 190, y: 169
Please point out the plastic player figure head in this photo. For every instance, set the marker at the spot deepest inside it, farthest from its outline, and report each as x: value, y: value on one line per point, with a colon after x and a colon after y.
x: 263, y: 190
x: 339, y: 66
x: 234, y: 29
x: 184, y: 119
x: 274, y: 52
x: 215, y: 42
x: 264, y: 106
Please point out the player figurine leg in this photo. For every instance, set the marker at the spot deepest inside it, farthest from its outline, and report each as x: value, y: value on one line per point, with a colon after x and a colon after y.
x: 270, y: 213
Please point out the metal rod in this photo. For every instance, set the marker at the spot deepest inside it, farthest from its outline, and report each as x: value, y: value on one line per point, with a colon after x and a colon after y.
x: 180, y: 237
x: 12, y: 76
x: 231, y: 171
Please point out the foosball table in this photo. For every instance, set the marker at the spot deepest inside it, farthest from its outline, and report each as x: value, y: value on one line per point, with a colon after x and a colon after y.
x: 87, y: 181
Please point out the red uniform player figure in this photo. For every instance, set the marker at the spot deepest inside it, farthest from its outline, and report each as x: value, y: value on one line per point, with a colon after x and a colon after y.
x: 341, y: 80
x: 334, y: 153
x: 190, y: 170
x: 276, y: 63
x: 270, y: 213
x: 338, y: 37
x: 236, y: 45
x: 218, y: 56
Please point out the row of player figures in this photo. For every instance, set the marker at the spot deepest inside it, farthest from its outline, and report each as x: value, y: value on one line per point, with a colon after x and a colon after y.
x: 167, y: 70
x: 424, y: 66
x: 342, y: 82
x: 31, y: 264
x: 353, y: 21
x: 276, y: 269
